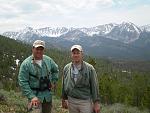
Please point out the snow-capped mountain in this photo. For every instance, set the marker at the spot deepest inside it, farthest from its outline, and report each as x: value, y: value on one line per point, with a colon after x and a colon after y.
x: 52, y: 32
x: 125, y: 40
x: 145, y: 28
x: 74, y: 35
x: 125, y: 32
x: 98, y: 30
x: 11, y: 35
x: 48, y: 31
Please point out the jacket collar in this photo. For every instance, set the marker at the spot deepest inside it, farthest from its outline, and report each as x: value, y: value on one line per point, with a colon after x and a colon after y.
x: 33, y: 59
x: 82, y: 65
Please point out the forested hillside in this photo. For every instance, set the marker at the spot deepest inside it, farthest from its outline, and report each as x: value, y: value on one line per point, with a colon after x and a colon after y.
x: 126, y: 82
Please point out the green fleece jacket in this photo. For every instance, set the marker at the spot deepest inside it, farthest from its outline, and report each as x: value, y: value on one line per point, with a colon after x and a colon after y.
x: 30, y: 73
x: 86, y: 86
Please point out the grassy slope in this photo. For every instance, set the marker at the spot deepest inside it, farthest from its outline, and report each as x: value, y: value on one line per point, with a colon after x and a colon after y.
x: 13, y: 102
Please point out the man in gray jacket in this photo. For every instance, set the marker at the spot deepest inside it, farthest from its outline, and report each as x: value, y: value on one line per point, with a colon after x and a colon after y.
x: 80, y: 91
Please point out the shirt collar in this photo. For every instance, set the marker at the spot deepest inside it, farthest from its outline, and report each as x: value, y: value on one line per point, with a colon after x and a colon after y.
x: 82, y: 65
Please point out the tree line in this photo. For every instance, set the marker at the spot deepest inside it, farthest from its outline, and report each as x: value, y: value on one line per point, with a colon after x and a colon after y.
x: 117, y: 83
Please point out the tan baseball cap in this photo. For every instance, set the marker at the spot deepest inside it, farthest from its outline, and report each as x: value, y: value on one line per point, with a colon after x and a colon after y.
x: 39, y: 43
x: 78, y: 47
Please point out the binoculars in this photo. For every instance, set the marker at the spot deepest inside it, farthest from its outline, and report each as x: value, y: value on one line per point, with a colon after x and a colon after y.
x: 44, y: 83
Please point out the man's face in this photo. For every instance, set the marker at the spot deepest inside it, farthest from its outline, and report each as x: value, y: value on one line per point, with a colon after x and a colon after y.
x: 76, y: 55
x: 38, y: 52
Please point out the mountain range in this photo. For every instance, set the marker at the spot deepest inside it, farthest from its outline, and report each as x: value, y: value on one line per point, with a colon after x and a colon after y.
x: 125, y: 40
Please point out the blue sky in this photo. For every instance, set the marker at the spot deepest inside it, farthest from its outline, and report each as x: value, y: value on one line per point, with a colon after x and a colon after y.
x: 18, y: 14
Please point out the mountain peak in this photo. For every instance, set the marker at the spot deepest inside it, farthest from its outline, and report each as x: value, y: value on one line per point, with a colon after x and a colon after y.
x: 127, y: 23
x: 125, y: 32
x: 130, y: 27
x: 146, y: 27
x: 28, y: 29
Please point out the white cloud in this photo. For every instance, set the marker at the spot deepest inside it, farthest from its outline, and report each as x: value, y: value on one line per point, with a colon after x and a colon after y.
x: 139, y: 15
x: 17, y: 14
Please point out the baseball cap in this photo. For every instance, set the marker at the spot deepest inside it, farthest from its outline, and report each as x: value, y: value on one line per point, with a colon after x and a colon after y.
x: 76, y: 47
x: 39, y: 43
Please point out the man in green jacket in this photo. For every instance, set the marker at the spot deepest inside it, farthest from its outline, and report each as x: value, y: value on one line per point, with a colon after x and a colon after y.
x: 37, y: 76
x: 80, y: 90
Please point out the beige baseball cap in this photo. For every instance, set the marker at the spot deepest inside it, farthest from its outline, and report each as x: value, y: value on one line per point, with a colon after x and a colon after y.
x: 76, y: 47
x: 39, y: 43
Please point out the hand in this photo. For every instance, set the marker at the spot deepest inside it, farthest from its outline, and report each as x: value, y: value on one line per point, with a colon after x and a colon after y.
x: 53, y: 86
x: 97, y: 107
x: 64, y: 104
x: 35, y: 102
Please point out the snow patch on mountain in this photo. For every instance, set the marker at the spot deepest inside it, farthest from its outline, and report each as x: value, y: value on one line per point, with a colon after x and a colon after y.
x: 146, y: 28
x: 125, y: 32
